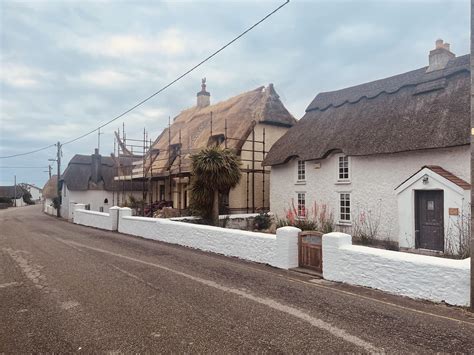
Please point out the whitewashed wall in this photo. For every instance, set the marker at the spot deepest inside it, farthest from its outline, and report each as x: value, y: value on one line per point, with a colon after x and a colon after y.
x: 102, y: 220
x: 372, y: 182
x: 280, y: 250
x: 93, y: 197
x: 416, y: 276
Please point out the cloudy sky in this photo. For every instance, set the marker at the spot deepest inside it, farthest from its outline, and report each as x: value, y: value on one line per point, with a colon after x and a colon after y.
x: 68, y: 66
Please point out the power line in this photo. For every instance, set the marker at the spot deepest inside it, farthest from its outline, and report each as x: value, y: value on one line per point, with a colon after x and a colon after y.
x: 23, y: 167
x: 159, y: 91
x: 27, y: 153
x: 179, y: 77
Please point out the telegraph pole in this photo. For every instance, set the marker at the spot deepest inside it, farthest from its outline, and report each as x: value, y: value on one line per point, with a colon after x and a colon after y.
x: 50, y: 168
x: 14, y: 193
x: 58, y: 160
x: 472, y: 157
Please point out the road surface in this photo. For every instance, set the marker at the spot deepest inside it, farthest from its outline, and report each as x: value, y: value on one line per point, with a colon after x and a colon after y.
x: 69, y: 288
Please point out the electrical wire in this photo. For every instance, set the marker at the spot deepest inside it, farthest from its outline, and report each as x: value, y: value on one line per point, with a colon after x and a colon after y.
x: 179, y: 77
x: 27, y: 153
x: 159, y: 91
x: 24, y: 167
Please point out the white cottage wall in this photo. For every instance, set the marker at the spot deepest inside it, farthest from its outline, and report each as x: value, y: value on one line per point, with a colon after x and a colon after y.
x: 372, y: 182
x: 94, y: 198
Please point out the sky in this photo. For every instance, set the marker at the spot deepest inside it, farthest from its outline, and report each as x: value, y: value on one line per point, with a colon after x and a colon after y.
x: 66, y: 67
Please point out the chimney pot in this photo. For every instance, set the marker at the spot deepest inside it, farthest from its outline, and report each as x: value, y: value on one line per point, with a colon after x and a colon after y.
x: 203, y: 97
x: 440, y: 56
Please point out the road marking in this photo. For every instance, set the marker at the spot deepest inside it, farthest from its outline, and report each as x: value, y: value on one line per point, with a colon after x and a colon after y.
x: 31, y: 271
x: 295, y: 280
x: 316, y: 322
x: 69, y: 305
x: 9, y: 284
x: 320, y: 285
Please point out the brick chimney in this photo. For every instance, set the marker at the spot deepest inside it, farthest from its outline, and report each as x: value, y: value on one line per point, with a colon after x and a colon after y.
x: 439, y: 56
x: 203, y: 97
x: 96, y: 166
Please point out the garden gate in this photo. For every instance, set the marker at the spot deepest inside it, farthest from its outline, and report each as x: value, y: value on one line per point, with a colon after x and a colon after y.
x: 310, y: 250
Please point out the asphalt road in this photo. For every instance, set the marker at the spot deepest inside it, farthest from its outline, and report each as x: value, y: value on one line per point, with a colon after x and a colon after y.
x: 69, y: 288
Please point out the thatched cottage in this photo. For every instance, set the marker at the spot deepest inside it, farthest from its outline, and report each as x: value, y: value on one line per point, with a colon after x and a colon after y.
x: 249, y: 123
x: 389, y: 157
x: 50, y: 191
x: 89, y: 179
x: 14, y: 194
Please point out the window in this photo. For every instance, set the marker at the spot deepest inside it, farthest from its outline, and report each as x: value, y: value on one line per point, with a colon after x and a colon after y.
x: 301, y: 209
x: 106, y: 201
x: 301, y: 170
x: 343, y: 168
x: 345, y: 207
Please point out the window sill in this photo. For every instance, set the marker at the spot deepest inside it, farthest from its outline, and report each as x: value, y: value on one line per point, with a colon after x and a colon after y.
x: 344, y: 223
x: 342, y: 182
x: 300, y: 182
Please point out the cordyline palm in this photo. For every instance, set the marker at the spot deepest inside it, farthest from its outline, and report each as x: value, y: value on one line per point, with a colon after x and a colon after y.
x: 214, y: 170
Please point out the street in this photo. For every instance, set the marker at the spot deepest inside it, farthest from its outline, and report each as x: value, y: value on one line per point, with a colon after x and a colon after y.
x: 69, y: 288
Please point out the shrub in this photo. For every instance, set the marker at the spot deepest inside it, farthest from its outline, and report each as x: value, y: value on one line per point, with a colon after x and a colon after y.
x: 319, y: 218
x: 263, y: 221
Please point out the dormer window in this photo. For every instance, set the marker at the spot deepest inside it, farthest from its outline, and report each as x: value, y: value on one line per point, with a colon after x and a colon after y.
x: 343, y: 168
x: 301, y: 170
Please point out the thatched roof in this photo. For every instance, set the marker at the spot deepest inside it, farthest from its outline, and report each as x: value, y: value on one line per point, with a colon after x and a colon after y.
x: 50, y: 189
x: 96, y: 172
x: 241, y: 112
x: 410, y: 111
x: 11, y: 192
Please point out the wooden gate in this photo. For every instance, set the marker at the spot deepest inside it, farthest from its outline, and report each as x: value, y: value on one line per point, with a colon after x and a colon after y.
x: 310, y: 250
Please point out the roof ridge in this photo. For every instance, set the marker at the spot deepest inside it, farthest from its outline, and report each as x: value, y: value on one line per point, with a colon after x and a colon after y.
x: 374, y: 88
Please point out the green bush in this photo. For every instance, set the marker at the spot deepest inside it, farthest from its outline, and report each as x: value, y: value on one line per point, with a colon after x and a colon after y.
x: 263, y: 221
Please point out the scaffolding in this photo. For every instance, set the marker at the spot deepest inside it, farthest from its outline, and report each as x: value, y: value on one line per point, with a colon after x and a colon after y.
x: 178, y: 169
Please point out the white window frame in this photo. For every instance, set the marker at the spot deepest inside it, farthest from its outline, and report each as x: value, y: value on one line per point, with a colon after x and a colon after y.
x: 348, y: 160
x: 301, y: 170
x: 299, y: 205
x: 344, y: 208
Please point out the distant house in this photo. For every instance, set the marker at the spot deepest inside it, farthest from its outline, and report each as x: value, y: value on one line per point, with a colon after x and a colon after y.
x: 14, y: 194
x: 35, y: 191
x: 89, y: 179
x: 390, y: 155
x: 50, y: 190
x: 248, y: 123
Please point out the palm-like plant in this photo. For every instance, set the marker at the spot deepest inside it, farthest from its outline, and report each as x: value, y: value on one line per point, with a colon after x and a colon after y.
x: 214, y: 170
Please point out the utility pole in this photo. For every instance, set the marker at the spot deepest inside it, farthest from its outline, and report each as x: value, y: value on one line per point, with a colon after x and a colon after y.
x: 14, y: 193
x: 50, y: 168
x: 58, y: 160
x: 472, y: 157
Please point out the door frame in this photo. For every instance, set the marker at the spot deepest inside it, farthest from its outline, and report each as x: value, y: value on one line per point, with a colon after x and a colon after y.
x: 417, y: 216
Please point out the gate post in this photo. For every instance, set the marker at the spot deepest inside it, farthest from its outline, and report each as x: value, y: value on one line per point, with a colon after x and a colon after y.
x: 286, y: 254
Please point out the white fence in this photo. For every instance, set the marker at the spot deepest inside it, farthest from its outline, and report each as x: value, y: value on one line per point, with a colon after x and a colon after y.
x: 417, y: 276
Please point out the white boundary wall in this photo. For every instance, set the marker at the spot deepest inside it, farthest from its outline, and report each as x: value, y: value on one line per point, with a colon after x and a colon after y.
x: 280, y: 250
x: 96, y: 219
x: 416, y: 276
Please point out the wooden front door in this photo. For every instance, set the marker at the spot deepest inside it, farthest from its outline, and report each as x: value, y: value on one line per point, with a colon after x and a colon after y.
x: 310, y: 251
x: 429, y: 221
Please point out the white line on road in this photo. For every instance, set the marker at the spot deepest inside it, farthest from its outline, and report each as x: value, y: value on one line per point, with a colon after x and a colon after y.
x: 9, y: 284
x: 316, y: 322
